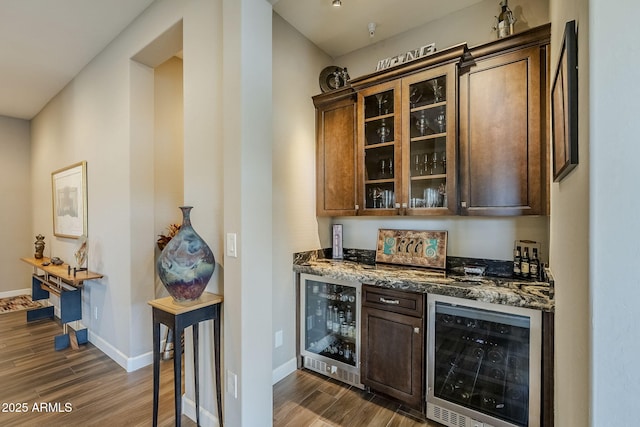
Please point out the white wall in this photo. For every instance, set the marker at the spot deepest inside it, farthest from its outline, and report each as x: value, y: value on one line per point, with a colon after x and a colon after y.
x: 613, y: 204
x: 15, y: 187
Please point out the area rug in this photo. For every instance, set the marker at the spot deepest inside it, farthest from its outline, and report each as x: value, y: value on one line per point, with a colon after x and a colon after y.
x: 20, y: 302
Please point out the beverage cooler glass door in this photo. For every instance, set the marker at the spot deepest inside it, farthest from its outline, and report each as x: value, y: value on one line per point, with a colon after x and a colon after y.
x: 484, y: 363
x: 330, y: 327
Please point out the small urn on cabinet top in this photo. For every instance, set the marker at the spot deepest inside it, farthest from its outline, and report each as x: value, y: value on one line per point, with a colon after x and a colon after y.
x: 186, y: 263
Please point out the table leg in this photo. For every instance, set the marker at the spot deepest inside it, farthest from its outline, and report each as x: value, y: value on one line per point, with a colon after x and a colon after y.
x: 195, y: 370
x: 156, y: 370
x: 177, y: 371
x: 216, y: 342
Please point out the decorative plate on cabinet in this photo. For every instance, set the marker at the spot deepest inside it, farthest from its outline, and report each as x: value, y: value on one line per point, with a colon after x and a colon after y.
x: 333, y: 77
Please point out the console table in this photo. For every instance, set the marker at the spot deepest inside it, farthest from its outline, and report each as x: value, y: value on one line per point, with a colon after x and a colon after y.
x: 66, y: 283
x: 178, y: 317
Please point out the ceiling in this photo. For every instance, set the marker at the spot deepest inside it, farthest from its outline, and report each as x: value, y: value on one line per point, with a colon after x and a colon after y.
x: 340, y: 30
x: 45, y: 43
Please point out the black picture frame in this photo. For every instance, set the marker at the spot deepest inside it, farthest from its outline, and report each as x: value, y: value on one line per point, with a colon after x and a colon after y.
x: 564, y: 106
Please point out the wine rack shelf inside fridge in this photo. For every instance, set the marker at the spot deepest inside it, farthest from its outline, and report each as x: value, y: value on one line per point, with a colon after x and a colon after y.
x: 330, y: 327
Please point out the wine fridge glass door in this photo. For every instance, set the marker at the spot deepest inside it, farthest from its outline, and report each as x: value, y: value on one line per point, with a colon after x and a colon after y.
x: 330, y: 327
x: 485, y: 361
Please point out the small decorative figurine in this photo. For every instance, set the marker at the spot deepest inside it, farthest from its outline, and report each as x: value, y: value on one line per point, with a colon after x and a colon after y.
x: 39, y: 246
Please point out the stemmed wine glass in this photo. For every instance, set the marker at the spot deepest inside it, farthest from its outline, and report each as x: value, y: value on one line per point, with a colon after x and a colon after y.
x: 415, y: 96
x: 422, y: 124
x: 437, y: 90
x: 382, y: 99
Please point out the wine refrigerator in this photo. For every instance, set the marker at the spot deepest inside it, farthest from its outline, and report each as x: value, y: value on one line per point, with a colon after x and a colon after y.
x: 483, y: 363
x: 330, y: 327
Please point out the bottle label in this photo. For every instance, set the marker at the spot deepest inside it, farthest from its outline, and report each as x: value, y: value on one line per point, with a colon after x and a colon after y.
x: 524, y: 267
x: 516, y: 267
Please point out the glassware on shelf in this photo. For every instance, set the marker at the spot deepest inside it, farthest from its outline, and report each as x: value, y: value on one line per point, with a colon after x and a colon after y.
x: 415, y: 96
x: 441, y: 121
x: 435, y: 164
x: 422, y: 123
x: 418, y: 165
x: 437, y: 90
x: 383, y: 131
x: 382, y: 100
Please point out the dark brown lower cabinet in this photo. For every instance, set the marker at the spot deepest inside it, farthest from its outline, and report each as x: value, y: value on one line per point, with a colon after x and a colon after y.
x: 393, y: 337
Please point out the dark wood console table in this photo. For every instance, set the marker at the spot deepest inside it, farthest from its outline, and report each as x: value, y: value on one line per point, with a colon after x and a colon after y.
x: 178, y: 317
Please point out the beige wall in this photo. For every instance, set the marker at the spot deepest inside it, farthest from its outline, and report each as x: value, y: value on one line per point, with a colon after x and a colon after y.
x: 472, y: 25
x: 296, y: 65
x: 570, y: 242
x: 168, y: 149
x: 17, y: 205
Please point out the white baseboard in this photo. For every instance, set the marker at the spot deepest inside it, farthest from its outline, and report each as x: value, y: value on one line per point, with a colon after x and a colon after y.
x: 15, y: 293
x: 130, y: 364
x: 207, y: 419
x: 283, y: 370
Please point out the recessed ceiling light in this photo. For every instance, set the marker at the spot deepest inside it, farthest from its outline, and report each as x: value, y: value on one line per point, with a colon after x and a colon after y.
x: 336, y: 3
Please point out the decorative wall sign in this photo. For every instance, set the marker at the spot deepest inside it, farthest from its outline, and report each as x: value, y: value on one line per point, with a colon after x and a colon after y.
x: 69, y: 192
x: 564, y: 106
x: 421, y: 248
x: 408, y: 56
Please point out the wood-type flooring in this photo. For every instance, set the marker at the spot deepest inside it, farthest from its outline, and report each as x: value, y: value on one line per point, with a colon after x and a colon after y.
x: 43, y: 387
x: 307, y: 399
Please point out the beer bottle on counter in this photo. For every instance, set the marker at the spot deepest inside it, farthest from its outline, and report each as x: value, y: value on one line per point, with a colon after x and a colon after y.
x: 534, y: 265
x: 516, y: 263
x: 524, y: 264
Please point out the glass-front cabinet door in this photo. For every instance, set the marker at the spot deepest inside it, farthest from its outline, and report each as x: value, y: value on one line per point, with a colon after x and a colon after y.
x: 379, y: 139
x: 429, y: 142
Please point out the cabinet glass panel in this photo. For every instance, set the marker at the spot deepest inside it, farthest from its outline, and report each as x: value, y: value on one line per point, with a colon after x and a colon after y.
x: 482, y: 361
x: 428, y: 143
x: 330, y: 321
x: 379, y: 150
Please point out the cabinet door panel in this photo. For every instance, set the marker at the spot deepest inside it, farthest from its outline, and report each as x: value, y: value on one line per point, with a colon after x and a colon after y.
x: 336, y: 161
x: 392, y: 355
x: 501, y: 137
x: 498, y: 175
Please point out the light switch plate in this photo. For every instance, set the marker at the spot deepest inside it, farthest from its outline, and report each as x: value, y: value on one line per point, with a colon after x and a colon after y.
x: 232, y: 249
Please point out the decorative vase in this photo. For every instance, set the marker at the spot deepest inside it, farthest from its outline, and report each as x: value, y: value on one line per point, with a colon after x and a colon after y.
x: 186, y: 263
x: 39, y: 246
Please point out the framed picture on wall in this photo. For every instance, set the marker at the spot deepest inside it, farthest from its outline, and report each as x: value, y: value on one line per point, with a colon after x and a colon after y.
x: 69, y: 195
x: 564, y: 106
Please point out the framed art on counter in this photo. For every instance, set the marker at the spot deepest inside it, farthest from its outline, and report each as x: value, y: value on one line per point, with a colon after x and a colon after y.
x: 69, y: 196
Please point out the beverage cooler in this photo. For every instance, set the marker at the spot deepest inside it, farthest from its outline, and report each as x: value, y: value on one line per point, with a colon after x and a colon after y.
x: 330, y: 327
x: 484, y: 363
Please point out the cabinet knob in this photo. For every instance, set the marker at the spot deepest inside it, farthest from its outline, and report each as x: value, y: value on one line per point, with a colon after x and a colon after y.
x: 463, y: 204
x: 416, y: 330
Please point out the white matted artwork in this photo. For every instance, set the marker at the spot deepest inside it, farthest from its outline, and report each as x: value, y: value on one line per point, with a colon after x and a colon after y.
x: 69, y: 193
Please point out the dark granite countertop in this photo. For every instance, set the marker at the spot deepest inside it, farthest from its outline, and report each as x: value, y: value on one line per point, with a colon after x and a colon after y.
x: 491, y: 289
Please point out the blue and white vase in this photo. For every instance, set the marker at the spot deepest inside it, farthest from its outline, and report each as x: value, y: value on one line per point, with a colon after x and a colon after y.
x: 186, y: 263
